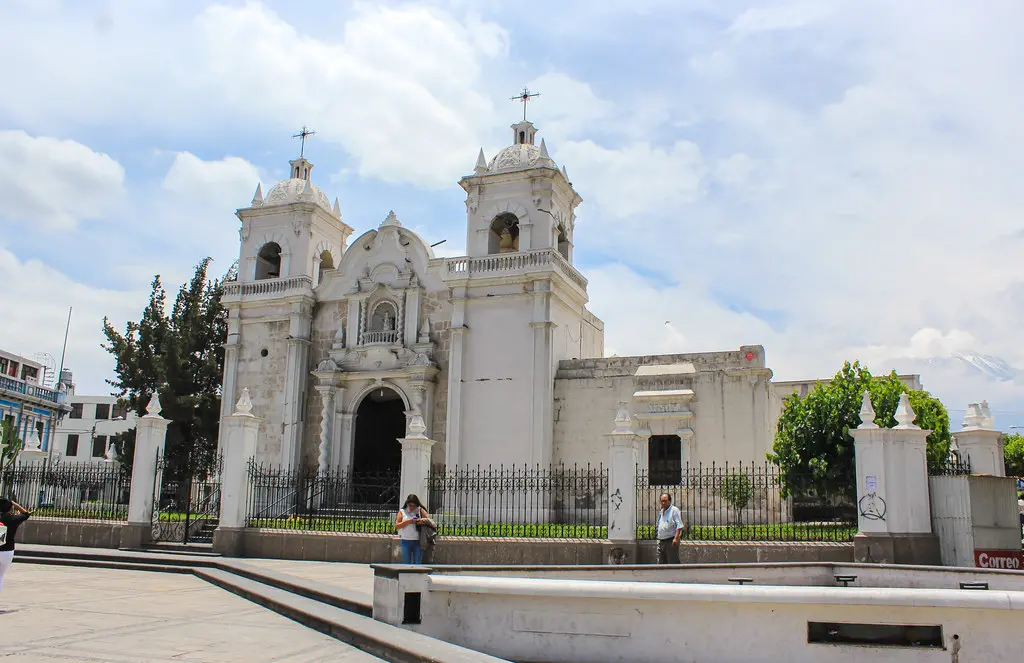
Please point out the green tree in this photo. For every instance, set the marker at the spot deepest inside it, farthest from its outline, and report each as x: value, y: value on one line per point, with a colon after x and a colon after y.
x: 813, y: 446
x: 1013, y: 454
x: 180, y: 354
x: 13, y: 444
x: 737, y: 490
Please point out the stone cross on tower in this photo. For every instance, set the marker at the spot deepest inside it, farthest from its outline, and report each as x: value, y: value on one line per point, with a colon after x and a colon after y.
x: 302, y: 136
x: 525, y: 97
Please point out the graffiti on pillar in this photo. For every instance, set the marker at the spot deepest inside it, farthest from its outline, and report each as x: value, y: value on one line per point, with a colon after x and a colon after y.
x: 872, y: 507
x: 617, y: 499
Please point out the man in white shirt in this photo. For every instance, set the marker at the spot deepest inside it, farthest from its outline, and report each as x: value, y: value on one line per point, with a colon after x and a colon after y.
x: 670, y: 527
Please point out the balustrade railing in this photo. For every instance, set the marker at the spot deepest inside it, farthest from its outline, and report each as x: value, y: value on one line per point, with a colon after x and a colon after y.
x: 509, y: 262
x: 267, y: 286
x: 19, y: 387
x: 379, y: 337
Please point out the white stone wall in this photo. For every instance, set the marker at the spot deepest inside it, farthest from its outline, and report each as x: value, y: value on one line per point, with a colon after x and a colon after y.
x: 265, y: 379
x: 730, y: 403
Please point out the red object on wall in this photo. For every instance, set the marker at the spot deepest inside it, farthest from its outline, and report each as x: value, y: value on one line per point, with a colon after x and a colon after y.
x: 750, y: 356
x: 1012, y: 560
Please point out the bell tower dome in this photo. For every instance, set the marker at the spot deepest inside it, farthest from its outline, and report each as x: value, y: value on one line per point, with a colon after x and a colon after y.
x: 519, y: 201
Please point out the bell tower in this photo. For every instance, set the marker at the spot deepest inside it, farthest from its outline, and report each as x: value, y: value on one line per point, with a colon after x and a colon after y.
x: 518, y: 305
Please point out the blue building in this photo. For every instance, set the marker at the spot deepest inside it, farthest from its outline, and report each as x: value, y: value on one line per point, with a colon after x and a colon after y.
x: 26, y: 402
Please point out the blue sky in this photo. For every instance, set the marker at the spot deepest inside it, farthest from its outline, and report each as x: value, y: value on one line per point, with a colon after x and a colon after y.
x: 831, y: 179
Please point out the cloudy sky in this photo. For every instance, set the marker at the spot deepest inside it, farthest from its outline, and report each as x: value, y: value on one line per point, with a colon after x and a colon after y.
x: 831, y: 179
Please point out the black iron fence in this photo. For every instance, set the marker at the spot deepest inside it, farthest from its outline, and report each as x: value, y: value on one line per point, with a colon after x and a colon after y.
x: 740, y: 502
x: 556, y: 501
x: 69, y: 491
x: 954, y: 465
x: 304, y: 499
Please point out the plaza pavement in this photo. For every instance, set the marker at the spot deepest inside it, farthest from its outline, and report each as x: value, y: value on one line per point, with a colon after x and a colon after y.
x: 64, y: 613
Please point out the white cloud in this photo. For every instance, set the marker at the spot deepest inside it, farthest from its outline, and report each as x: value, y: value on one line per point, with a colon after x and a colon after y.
x: 635, y: 179
x: 780, y: 17
x: 55, y: 183
x: 402, y: 89
x: 224, y: 180
x: 36, y: 300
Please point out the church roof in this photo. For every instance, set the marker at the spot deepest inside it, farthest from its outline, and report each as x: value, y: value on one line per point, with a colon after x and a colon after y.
x: 296, y: 189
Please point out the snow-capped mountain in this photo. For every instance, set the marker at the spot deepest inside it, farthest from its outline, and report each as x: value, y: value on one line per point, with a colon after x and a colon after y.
x: 987, y: 365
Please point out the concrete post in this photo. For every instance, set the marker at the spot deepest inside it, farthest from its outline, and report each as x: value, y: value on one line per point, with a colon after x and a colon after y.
x: 416, y: 460
x: 150, y: 438
x: 979, y: 443
x: 623, y: 456
x: 241, y: 431
x: 894, y: 513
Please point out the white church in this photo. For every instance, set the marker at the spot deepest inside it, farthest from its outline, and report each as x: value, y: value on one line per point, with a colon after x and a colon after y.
x: 342, y: 342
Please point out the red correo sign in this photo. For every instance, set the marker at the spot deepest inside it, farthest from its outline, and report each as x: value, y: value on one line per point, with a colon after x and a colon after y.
x: 999, y: 559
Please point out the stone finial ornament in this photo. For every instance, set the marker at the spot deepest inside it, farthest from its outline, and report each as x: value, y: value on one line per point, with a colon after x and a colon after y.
x: 867, y: 412
x: 481, y: 163
x: 416, y: 427
x: 987, y: 420
x: 244, y: 404
x: 391, y: 220
x: 623, y: 422
x: 337, y: 208
x: 904, y: 413
x: 34, y: 443
x: 154, y: 407
x: 973, y: 417
x: 257, y: 199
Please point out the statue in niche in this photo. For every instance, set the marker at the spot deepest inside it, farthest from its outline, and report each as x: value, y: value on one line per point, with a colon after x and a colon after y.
x: 389, y: 321
x: 507, y: 244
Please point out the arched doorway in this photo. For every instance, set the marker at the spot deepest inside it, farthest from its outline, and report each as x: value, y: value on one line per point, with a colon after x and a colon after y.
x: 377, y: 453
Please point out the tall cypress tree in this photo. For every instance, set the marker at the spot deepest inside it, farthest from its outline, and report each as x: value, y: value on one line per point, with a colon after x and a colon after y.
x: 180, y: 354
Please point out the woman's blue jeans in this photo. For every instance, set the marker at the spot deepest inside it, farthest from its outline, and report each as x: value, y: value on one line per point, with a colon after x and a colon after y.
x: 411, y: 552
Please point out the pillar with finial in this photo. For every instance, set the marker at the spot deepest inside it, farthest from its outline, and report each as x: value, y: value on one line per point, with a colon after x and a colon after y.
x: 150, y: 439
x: 893, y: 505
x: 978, y: 443
x: 241, y: 432
x: 623, y: 458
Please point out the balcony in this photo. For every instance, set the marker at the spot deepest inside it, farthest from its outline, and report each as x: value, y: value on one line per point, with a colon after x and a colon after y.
x: 379, y: 337
x: 268, y: 289
x: 9, y: 384
x: 512, y: 264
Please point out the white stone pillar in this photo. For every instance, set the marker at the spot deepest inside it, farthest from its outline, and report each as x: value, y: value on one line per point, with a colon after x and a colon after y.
x: 453, y: 431
x: 295, y: 385
x: 241, y: 431
x: 150, y: 438
x: 623, y: 457
x: 979, y: 443
x: 326, y: 427
x: 416, y: 461
x: 894, y: 511
x: 344, y: 460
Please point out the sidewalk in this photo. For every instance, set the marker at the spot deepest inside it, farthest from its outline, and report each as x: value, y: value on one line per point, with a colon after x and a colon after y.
x: 61, y: 613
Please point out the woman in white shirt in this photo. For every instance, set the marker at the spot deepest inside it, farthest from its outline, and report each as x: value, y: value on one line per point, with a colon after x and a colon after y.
x: 409, y: 518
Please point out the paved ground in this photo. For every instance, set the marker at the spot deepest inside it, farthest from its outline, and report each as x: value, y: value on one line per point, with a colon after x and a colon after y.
x: 59, y: 613
x: 357, y: 578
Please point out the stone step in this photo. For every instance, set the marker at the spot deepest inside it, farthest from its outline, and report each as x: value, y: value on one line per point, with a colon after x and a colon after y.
x: 388, y: 643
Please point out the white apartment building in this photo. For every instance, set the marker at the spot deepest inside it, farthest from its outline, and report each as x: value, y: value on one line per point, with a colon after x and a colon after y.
x: 86, y: 433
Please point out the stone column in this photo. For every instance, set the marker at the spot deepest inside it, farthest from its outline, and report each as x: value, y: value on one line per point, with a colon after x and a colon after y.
x: 623, y: 457
x: 150, y: 437
x: 416, y: 460
x: 344, y: 460
x: 295, y: 385
x: 241, y: 431
x: 979, y: 443
x: 894, y: 511
x: 326, y: 429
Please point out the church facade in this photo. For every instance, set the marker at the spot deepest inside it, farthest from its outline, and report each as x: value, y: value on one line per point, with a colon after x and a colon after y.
x: 343, y: 342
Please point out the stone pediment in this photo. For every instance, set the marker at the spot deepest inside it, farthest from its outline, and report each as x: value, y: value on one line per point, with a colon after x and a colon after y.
x: 383, y: 358
x: 390, y: 256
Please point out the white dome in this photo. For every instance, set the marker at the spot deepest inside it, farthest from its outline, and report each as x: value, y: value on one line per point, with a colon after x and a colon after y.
x: 290, y: 191
x: 515, y: 157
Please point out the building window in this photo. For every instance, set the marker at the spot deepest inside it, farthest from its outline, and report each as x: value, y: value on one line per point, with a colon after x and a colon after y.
x: 72, y: 449
x: 76, y: 410
x: 268, y: 261
x: 665, y: 460
x: 29, y: 373
x: 504, y: 234
x: 40, y: 427
x: 121, y: 411
x: 99, y: 446
x: 102, y: 411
